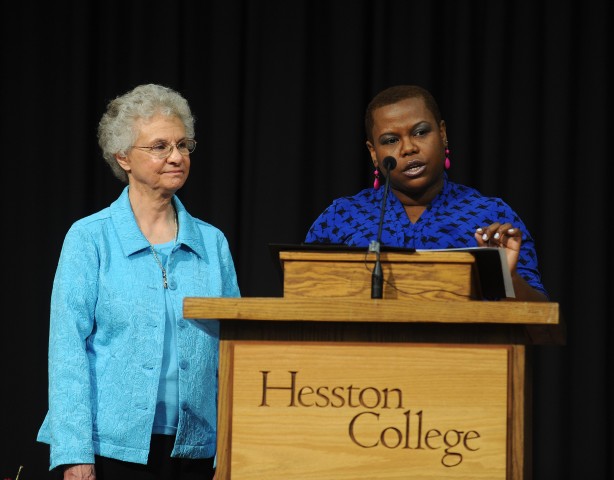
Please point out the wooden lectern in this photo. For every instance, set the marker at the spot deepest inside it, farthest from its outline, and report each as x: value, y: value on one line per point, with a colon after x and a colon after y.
x: 325, y: 382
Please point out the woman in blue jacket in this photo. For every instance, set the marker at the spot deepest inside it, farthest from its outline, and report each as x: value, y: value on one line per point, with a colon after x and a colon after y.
x: 132, y: 384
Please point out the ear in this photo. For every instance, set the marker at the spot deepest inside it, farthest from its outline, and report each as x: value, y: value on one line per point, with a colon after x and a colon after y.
x: 123, y: 161
x: 443, y: 132
x: 373, y: 154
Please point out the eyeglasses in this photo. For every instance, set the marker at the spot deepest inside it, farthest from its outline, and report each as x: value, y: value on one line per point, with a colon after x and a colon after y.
x: 164, y: 149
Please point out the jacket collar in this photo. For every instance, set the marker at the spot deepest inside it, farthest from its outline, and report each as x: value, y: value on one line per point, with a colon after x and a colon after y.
x: 132, y: 239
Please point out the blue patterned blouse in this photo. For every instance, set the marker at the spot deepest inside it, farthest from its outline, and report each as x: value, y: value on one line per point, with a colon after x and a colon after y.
x: 449, y: 221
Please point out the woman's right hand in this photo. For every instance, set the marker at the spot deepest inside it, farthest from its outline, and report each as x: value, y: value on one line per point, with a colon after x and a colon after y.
x: 84, y: 471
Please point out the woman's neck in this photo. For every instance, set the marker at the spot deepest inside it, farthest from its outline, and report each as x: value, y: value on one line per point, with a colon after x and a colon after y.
x: 156, y: 217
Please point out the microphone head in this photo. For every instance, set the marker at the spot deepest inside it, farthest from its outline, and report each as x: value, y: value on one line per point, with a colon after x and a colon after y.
x: 389, y: 163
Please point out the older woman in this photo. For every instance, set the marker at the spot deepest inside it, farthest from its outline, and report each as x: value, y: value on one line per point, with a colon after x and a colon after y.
x: 426, y: 210
x: 132, y: 384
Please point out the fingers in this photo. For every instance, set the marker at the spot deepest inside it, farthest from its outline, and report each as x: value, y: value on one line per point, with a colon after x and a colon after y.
x: 498, y: 235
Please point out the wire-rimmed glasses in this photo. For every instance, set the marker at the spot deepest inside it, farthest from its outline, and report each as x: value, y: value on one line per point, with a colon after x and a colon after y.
x: 162, y: 150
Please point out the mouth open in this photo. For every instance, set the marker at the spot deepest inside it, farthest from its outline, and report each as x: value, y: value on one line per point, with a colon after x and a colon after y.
x: 415, y: 168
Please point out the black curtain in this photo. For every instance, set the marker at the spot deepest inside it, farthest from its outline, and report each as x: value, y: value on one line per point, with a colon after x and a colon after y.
x: 279, y: 89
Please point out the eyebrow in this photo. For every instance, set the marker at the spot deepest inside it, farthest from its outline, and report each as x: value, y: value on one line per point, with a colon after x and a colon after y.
x: 165, y: 140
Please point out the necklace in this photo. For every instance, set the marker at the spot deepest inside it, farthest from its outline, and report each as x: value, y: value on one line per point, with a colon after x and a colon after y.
x: 155, y: 255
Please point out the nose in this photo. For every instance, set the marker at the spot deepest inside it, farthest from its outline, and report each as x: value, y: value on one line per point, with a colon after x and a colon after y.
x: 408, y: 146
x: 175, y: 154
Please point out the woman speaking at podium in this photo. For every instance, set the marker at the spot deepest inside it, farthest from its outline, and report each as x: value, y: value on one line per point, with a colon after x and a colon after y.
x: 426, y: 210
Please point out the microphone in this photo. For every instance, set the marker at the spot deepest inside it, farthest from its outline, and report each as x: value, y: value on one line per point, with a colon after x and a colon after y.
x: 377, y: 277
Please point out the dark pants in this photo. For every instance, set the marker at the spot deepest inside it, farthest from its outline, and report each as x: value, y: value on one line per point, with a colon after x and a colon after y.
x: 160, y: 465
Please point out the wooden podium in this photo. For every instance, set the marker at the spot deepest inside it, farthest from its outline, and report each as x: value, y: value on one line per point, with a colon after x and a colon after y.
x: 326, y: 383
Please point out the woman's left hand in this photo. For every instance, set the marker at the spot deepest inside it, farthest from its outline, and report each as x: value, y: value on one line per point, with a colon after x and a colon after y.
x: 503, y: 235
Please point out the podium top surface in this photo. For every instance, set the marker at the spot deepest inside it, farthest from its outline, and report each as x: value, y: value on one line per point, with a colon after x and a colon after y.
x: 534, y: 322
x: 331, y: 286
x: 372, y: 310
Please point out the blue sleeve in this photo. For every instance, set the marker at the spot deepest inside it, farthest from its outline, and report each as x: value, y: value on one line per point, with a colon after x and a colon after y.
x: 68, y: 426
x: 325, y: 229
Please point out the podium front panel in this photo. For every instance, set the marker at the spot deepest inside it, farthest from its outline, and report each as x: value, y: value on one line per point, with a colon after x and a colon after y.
x: 351, y: 410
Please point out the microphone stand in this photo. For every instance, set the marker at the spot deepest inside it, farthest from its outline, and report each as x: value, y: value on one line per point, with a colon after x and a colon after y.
x: 377, y: 276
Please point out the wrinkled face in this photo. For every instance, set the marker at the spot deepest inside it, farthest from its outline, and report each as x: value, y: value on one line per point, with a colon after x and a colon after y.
x: 408, y: 131
x: 145, y: 169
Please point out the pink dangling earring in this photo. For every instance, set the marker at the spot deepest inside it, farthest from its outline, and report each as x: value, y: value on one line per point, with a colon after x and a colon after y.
x: 446, y: 164
x: 376, y: 181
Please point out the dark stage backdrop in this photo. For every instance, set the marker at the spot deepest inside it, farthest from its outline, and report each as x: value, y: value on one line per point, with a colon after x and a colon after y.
x: 279, y: 88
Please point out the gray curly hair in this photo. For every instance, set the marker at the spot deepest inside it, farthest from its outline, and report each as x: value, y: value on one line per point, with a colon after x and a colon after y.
x: 117, y: 128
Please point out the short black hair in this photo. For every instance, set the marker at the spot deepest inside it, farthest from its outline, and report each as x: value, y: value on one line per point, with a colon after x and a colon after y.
x: 395, y: 94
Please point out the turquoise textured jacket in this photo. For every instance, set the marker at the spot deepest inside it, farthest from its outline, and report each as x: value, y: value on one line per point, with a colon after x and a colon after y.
x: 106, y: 337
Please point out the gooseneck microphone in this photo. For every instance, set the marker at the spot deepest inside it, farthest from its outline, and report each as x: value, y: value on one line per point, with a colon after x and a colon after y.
x: 377, y: 277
